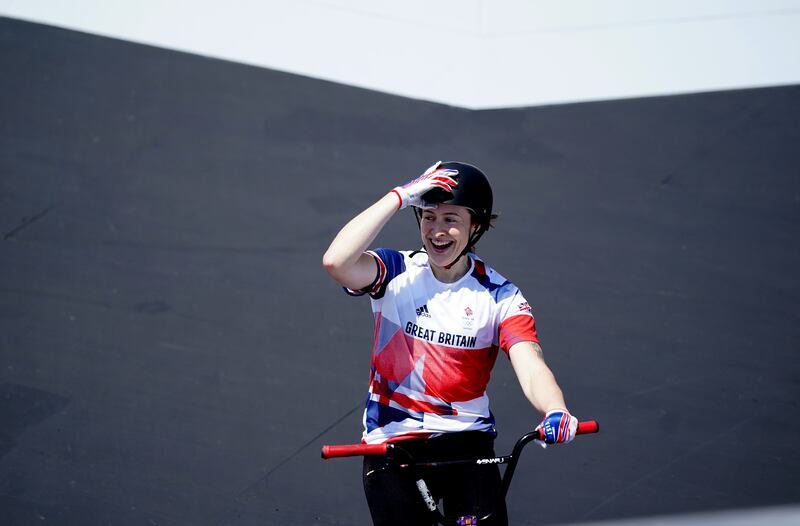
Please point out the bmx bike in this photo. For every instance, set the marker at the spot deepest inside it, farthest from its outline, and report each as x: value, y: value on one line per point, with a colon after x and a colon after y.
x: 402, y: 459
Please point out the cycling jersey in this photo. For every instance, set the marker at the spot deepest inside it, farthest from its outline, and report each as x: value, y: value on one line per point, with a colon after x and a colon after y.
x: 435, y: 345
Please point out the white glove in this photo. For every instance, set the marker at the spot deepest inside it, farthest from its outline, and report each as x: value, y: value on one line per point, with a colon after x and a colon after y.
x: 558, y: 427
x: 410, y: 194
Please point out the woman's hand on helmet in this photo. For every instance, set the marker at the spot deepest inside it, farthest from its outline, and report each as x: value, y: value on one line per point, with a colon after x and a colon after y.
x: 410, y: 194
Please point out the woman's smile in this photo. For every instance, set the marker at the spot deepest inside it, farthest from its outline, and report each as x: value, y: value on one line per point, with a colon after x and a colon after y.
x: 441, y: 245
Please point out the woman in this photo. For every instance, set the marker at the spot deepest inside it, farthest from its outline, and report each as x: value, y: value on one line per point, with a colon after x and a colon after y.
x: 441, y: 315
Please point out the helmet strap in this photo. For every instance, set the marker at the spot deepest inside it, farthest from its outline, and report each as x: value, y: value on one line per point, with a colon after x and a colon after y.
x: 448, y: 267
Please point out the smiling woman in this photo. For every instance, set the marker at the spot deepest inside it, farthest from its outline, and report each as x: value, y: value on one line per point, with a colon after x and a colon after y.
x: 442, y: 315
x: 445, y: 232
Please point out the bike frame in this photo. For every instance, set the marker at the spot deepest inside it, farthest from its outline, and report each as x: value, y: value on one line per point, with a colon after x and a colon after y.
x: 394, y: 452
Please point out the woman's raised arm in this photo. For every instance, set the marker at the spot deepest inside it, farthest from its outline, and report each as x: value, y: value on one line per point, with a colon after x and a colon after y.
x: 345, y: 259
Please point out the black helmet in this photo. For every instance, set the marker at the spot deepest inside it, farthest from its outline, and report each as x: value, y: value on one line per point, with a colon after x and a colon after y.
x: 473, y: 192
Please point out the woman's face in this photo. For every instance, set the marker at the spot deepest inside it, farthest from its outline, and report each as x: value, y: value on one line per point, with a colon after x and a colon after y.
x: 445, y: 232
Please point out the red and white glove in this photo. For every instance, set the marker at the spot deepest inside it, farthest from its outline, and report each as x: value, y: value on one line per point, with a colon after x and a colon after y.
x: 410, y: 194
x: 558, y: 427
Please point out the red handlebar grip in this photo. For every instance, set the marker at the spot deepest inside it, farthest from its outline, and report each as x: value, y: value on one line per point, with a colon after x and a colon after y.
x: 590, y: 426
x: 354, y: 450
x: 584, y: 428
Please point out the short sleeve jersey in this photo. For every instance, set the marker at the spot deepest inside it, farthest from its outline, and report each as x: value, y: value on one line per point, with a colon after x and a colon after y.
x: 435, y: 345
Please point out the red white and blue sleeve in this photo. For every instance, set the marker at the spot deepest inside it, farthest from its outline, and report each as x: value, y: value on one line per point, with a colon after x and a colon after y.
x: 388, y: 264
x: 517, y: 323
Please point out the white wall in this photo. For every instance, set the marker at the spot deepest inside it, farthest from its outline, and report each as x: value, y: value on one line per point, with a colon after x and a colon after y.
x: 470, y: 53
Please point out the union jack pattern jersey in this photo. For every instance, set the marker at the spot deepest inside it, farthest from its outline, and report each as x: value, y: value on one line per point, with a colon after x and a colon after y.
x: 435, y: 345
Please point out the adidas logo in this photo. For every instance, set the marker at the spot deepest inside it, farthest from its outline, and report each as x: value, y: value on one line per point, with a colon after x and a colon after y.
x: 423, y: 312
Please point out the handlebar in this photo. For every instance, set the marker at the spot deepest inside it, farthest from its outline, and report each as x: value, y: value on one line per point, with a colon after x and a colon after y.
x: 584, y: 428
x: 356, y: 450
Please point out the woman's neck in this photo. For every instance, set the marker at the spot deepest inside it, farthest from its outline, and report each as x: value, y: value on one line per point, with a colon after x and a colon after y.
x: 454, y: 273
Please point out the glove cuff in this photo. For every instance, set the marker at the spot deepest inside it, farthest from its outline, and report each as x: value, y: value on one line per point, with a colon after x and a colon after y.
x: 402, y: 197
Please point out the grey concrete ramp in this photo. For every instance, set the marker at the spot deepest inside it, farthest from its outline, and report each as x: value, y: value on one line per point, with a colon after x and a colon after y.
x: 172, y: 353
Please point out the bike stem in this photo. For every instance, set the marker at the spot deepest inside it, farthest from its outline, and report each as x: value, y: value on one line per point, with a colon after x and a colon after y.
x: 512, y: 464
x: 511, y: 460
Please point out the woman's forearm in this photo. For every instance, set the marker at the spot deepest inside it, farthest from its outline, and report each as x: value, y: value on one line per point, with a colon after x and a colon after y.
x: 341, y: 260
x: 535, y: 377
x: 543, y: 391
